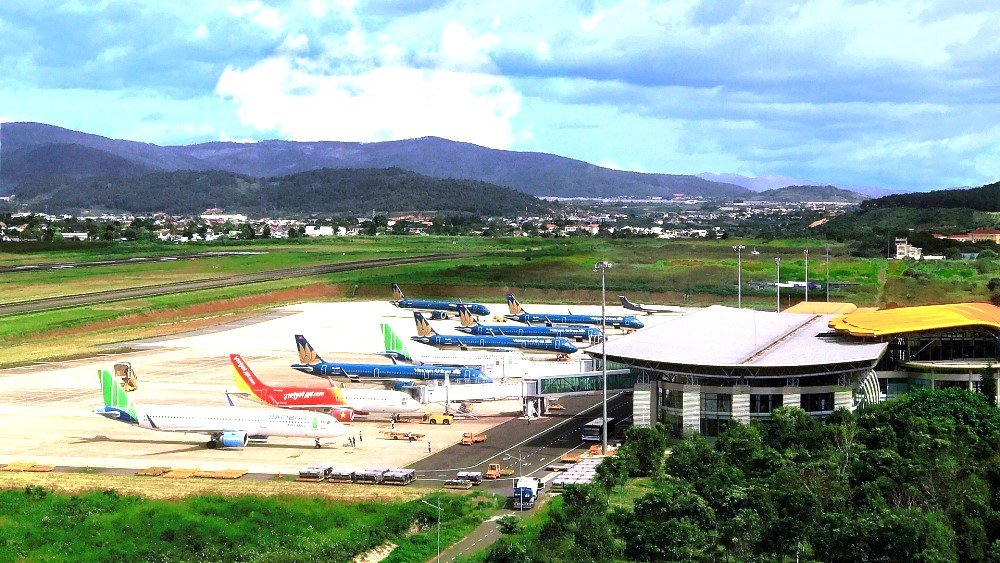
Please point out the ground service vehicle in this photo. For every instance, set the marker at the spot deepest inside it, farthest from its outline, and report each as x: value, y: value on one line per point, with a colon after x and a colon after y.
x: 525, y: 493
x: 495, y: 471
x: 394, y: 435
x: 126, y: 374
x: 470, y: 438
x: 592, y: 430
x: 457, y: 484
x: 398, y: 476
x: 438, y: 418
x: 474, y: 477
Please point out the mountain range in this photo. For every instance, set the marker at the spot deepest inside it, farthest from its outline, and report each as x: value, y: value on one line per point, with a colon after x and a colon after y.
x: 30, y: 151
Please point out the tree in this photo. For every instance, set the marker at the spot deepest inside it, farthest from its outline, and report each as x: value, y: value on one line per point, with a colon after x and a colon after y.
x: 612, y: 472
x: 670, y: 524
x: 509, y: 525
x: 989, y: 378
x: 648, y: 445
x: 506, y: 551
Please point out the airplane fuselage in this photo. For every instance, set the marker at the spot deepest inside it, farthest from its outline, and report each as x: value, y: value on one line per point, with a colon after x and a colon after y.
x: 449, y: 306
x: 574, y: 332
x: 248, y: 421
x: 396, y: 371
x: 360, y: 400
x: 541, y: 344
x: 617, y: 321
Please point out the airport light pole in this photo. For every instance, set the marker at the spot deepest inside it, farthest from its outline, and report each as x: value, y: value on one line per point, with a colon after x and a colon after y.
x: 828, y: 273
x: 603, y: 267
x: 777, y: 285
x: 806, y: 253
x: 439, y: 526
x: 738, y: 249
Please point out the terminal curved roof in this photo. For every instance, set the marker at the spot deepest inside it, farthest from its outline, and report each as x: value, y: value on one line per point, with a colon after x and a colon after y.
x: 729, y: 337
x: 887, y: 322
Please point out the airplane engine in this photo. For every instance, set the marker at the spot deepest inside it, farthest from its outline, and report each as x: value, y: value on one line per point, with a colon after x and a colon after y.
x: 343, y: 415
x: 233, y: 439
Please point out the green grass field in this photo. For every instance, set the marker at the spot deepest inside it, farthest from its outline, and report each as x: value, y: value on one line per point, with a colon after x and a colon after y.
x: 37, y: 524
x: 695, y: 273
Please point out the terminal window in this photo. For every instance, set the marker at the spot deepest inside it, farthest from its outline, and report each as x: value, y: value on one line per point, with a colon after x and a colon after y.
x: 764, y: 404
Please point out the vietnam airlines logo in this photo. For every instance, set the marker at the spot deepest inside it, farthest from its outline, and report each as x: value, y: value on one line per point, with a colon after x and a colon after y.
x: 306, y: 354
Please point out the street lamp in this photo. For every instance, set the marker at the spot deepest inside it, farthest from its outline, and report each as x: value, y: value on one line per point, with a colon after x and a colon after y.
x: 777, y: 286
x: 806, y: 252
x: 603, y: 266
x: 439, y: 526
x: 738, y: 249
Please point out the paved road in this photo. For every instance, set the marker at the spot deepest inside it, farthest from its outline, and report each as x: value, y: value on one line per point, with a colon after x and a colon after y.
x: 536, y: 445
x: 242, y: 279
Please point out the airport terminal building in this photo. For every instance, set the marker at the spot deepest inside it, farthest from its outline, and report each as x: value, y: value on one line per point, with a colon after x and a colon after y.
x: 723, y: 363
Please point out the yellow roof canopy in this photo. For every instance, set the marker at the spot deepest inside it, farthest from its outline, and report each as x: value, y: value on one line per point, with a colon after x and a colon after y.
x: 917, y: 319
x: 821, y: 308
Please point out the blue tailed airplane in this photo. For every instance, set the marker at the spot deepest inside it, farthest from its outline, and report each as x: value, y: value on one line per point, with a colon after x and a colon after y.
x: 438, y: 309
x: 617, y: 321
x: 541, y: 344
x: 579, y: 333
x: 311, y: 363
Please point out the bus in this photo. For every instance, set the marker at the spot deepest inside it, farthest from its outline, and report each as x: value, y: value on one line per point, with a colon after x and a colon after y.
x: 592, y: 430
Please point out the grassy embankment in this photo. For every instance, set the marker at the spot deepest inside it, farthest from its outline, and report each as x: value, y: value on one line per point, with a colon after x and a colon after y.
x: 537, y: 270
x: 39, y: 524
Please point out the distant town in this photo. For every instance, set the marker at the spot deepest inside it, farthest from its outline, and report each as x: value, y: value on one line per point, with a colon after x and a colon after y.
x: 679, y: 218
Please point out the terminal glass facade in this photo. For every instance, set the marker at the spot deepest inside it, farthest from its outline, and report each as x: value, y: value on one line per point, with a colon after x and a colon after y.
x: 716, y: 410
x: 817, y: 402
x: 762, y: 405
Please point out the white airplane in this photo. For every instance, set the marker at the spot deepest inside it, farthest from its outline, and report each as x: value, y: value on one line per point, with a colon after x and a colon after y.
x: 228, y: 427
x: 650, y: 309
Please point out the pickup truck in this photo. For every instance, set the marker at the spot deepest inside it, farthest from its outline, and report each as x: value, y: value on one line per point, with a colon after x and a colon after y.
x: 469, y: 438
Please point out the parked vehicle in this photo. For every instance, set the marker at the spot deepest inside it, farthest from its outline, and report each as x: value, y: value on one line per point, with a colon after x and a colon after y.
x: 470, y: 438
x: 438, y: 418
x: 525, y: 493
x: 474, y: 477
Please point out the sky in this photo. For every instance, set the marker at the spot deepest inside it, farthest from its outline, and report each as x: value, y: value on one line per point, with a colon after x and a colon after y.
x: 896, y: 93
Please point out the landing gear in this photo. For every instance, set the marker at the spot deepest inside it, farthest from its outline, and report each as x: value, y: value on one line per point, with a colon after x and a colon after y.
x: 318, y: 446
x: 212, y: 444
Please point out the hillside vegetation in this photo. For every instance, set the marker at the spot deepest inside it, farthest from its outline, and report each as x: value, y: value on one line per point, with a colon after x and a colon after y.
x: 356, y: 191
x: 983, y: 198
x: 36, y: 150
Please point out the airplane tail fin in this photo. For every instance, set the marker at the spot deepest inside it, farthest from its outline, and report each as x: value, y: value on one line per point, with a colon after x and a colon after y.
x: 245, y: 379
x: 117, y: 403
x: 465, y: 316
x: 307, y: 355
x: 394, y: 343
x: 628, y: 304
x: 397, y: 293
x: 423, y: 327
x: 513, y: 305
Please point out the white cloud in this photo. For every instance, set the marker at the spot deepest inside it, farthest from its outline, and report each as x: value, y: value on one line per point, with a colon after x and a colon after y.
x: 260, y: 14
x: 359, y: 91
x: 200, y: 32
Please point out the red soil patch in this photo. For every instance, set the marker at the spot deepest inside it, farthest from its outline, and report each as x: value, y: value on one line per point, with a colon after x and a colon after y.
x: 211, y: 312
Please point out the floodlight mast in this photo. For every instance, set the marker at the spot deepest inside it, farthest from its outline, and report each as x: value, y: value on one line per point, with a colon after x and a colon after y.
x: 806, y: 253
x: 603, y: 267
x: 439, y: 527
x: 777, y: 285
x: 738, y: 249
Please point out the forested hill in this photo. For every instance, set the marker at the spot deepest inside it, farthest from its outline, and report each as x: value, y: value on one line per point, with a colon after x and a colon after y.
x: 35, y: 150
x: 795, y: 194
x: 356, y: 191
x: 984, y: 198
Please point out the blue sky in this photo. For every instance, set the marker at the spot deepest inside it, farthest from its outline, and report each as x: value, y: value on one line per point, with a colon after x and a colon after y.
x: 897, y: 94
